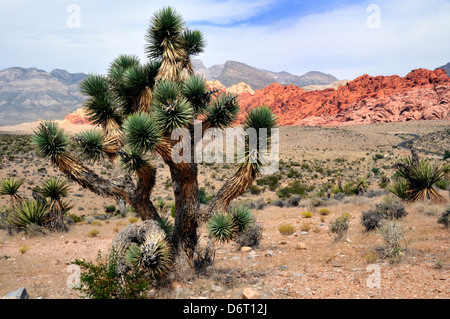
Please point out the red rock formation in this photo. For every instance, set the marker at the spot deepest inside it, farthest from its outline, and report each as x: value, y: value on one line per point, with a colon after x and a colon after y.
x: 77, y: 117
x: 420, y: 95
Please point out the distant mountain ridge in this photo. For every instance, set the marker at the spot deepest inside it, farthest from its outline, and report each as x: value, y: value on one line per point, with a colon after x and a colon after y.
x: 446, y: 68
x: 232, y: 72
x: 29, y: 94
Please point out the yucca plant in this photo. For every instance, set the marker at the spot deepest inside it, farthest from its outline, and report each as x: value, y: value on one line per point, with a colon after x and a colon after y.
x: 10, y: 186
x: 242, y: 216
x: 399, y: 188
x: 30, y: 214
x: 420, y: 176
x: 55, y: 190
x: 222, y: 227
x: 137, y: 107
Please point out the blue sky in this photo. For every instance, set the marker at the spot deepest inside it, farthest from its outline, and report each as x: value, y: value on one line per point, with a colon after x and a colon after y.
x: 344, y: 38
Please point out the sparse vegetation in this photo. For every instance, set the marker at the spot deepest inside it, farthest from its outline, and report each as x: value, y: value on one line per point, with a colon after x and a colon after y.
x: 286, y: 229
x: 339, y: 226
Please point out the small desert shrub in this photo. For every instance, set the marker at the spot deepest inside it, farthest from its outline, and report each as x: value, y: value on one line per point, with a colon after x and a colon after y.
x: 427, y: 208
x: 392, y: 235
x: 286, y: 229
x: 203, y: 196
x: 133, y: 220
x: 271, y: 181
x: 305, y: 227
x: 371, y: 257
x: 444, y: 219
x: 110, y: 209
x: 307, y: 214
x: 101, y: 281
x: 324, y: 211
x: 93, y: 233
x: 96, y: 223
x: 278, y: 203
x: 75, y: 218
x: 204, y: 257
x: 293, y: 201
x: 385, y: 210
x: 260, y: 204
x: 255, y: 190
x: 251, y: 236
x: 23, y: 249
x: 339, y: 226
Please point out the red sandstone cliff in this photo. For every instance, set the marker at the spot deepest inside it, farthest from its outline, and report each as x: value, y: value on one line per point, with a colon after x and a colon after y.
x: 420, y: 95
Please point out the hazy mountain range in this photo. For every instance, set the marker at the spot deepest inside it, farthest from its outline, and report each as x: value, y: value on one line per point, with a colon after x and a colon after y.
x: 30, y: 94
x: 232, y: 72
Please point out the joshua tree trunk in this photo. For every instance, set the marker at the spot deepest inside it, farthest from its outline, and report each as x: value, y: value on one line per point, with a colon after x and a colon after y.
x: 185, y: 187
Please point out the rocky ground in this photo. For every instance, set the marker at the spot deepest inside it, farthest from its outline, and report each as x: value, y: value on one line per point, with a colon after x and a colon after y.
x: 305, y: 264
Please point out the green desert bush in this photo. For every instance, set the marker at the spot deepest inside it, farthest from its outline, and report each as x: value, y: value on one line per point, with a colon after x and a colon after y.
x: 286, y: 229
x: 251, y: 236
x: 324, y: 211
x: 392, y: 235
x: 339, y: 226
x: 444, y: 219
x: 100, y: 280
x: 372, y: 218
x: 307, y: 214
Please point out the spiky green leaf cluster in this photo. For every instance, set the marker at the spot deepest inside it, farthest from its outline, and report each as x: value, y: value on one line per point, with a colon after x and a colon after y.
x: 156, y: 255
x: 50, y: 140
x: 194, y: 89
x: 133, y: 255
x: 166, y: 225
x: 222, y: 227
x: 141, y: 132
x: 420, y: 176
x: 133, y: 160
x: 223, y: 111
x: 192, y: 41
x: 260, y: 118
x: 242, y: 216
x: 54, y: 188
x: 10, y: 186
x: 171, y: 109
x: 91, y: 143
x: 28, y: 214
x: 166, y: 29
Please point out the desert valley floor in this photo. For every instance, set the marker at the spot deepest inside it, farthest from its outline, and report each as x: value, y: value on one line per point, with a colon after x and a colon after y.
x: 305, y: 264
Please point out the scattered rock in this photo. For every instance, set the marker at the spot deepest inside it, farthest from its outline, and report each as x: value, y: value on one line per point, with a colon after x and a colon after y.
x: 246, y: 248
x: 216, y: 288
x: 268, y: 253
x: 249, y: 293
x: 301, y: 246
x: 20, y: 293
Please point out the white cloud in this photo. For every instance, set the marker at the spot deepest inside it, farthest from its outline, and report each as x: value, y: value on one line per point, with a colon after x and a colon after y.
x: 413, y: 34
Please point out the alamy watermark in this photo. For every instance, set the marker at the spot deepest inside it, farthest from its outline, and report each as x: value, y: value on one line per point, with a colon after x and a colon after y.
x: 374, y: 279
x: 230, y: 145
x: 74, y: 19
x: 374, y: 19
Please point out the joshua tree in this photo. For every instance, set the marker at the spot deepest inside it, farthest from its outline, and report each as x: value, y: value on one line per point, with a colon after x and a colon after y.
x: 137, y: 108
